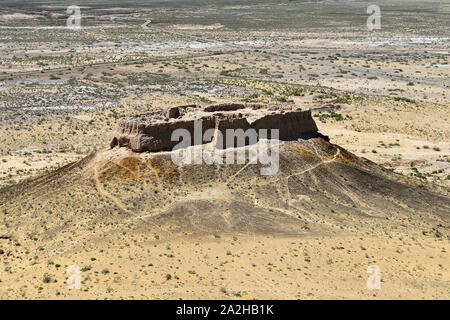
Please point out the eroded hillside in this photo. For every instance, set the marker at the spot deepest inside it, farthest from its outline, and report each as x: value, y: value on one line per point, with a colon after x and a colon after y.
x: 129, y: 219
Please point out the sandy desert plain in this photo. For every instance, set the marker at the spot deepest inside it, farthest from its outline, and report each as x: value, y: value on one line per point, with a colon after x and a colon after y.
x: 140, y: 227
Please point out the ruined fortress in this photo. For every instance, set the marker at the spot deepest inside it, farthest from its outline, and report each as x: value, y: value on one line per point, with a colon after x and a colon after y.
x: 152, y: 131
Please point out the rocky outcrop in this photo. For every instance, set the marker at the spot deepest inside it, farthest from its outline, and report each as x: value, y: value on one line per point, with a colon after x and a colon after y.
x: 152, y: 131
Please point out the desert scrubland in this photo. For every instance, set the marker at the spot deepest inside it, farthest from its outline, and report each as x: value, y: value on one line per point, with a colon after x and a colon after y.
x: 141, y: 228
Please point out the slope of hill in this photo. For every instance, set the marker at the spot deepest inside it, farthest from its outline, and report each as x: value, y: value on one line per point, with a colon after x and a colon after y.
x: 140, y: 226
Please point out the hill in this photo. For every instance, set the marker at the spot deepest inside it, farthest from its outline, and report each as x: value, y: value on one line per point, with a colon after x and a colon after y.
x: 138, y: 223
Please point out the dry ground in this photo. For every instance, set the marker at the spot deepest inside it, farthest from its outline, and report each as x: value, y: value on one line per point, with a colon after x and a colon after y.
x: 62, y: 92
x: 139, y: 227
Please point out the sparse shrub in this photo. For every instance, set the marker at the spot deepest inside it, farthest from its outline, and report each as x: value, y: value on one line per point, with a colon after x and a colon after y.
x: 47, y: 278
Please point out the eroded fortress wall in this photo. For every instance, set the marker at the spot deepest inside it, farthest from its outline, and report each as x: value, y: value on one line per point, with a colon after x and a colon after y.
x: 153, y: 131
